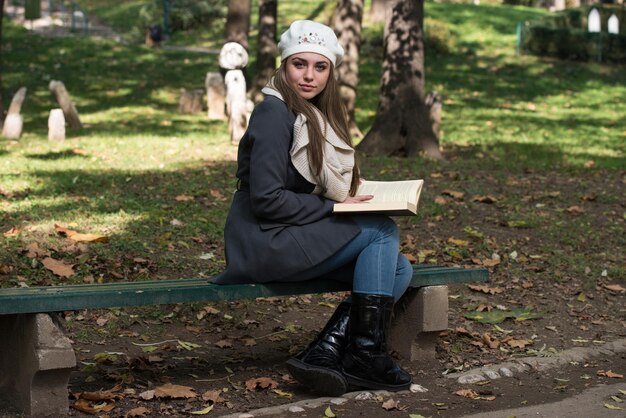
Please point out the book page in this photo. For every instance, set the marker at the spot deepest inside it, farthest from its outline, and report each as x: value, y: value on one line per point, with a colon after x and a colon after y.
x: 390, y: 198
x: 391, y: 191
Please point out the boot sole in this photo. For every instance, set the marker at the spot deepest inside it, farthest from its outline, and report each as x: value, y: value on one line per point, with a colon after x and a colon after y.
x: 368, y: 384
x: 320, y: 379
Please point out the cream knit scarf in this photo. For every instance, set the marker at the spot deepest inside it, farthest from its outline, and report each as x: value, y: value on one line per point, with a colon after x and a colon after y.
x: 335, y: 177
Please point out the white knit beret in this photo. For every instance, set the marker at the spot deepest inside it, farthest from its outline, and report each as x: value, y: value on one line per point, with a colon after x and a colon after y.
x: 309, y: 36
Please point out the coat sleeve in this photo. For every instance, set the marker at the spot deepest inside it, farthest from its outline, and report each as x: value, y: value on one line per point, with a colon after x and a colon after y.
x: 270, y: 130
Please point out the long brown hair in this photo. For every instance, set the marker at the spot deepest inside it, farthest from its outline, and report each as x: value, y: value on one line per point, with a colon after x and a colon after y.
x: 333, y: 111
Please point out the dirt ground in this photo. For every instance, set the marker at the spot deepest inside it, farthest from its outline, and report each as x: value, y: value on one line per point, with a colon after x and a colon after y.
x: 556, y: 251
x: 553, y: 242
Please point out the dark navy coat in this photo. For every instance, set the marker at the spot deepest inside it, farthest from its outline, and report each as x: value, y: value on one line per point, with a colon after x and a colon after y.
x: 276, y: 228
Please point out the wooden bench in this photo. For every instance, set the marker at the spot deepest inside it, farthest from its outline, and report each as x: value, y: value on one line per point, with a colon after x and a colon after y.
x: 36, y: 358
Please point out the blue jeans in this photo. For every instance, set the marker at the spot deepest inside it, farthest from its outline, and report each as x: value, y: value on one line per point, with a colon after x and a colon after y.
x: 371, y: 261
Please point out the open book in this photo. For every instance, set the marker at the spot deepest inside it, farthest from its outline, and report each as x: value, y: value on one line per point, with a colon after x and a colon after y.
x: 390, y: 198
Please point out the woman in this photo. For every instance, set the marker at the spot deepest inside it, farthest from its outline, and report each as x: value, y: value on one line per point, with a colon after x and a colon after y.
x: 295, y: 162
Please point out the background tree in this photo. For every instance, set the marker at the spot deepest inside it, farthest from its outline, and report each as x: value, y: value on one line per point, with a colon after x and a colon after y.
x: 1, y: 66
x: 238, y: 22
x: 376, y: 12
x: 266, y: 46
x: 402, y: 123
x: 346, y: 22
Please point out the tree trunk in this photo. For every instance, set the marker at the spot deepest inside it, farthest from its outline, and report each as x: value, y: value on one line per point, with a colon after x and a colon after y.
x: 376, y: 13
x: 1, y: 64
x: 238, y: 22
x: 57, y: 88
x: 266, y: 47
x: 347, y: 21
x: 402, y: 123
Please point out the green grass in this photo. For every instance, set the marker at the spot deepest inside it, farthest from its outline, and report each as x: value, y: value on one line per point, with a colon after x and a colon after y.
x: 121, y: 175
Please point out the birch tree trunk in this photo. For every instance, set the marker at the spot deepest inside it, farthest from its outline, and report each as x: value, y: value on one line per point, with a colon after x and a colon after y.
x: 376, y: 12
x: 346, y: 22
x: 402, y: 123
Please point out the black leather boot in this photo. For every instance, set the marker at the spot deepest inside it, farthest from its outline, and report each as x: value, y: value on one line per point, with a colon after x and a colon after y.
x: 366, y: 362
x: 319, y: 366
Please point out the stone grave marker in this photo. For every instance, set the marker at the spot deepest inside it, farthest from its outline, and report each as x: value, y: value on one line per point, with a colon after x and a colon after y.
x: 190, y: 101
x: 593, y: 21
x: 236, y: 104
x: 56, y: 125
x: 58, y: 90
x: 613, y: 24
x: 14, y: 123
x: 215, y: 96
x: 233, y: 58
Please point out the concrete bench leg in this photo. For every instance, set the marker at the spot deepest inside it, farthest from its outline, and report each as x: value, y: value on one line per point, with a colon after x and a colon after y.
x: 419, y: 316
x: 36, y: 360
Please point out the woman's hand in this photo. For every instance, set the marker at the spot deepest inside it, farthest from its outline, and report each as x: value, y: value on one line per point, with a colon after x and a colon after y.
x: 358, y: 199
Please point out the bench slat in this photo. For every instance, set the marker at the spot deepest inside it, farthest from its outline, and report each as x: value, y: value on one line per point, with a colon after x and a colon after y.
x: 156, y: 292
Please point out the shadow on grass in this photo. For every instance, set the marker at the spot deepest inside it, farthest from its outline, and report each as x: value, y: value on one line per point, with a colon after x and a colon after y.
x: 139, y: 212
x: 56, y: 155
x: 505, y: 158
x: 98, y: 74
x: 174, y: 217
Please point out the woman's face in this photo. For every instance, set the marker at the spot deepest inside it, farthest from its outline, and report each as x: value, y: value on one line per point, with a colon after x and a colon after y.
x: 307, y: 73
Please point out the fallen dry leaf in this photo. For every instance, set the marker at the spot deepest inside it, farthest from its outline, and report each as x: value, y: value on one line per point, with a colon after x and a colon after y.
x: 75, y: 236
x: 490, y: 341
x: 216, y: 194
x: 512, y: 342
x: 488, y: 262
x: 224, y: 344
x: 459, y: 242
x: 89, y: 238
x: 283, y: 394
x: 260, y: 382
x: 467, y: 393
x: 203, y: 411
x: 526, y: 284
x: 615, y: 288
x: 169, y: 390
x: 485, y: 289
x: 213, y: 396
x: 441, y: 200
x: 472, y: 394
x: 137, y: 412
x: 147, y: 395
x: 88, y: 407
x: 390, y: 404
x: 456, y: 195
x: 575, y: 210
x: 248, y: 342
x: 11, y: 232
x: 33, y: 251
x: 58, y: 267
x: 183, y: 198
x: 101, y: 395
x: 610, y: 374
x: 485, y: 199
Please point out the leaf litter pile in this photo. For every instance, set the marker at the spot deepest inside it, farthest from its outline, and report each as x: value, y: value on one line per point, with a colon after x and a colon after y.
x: 553, y: 245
